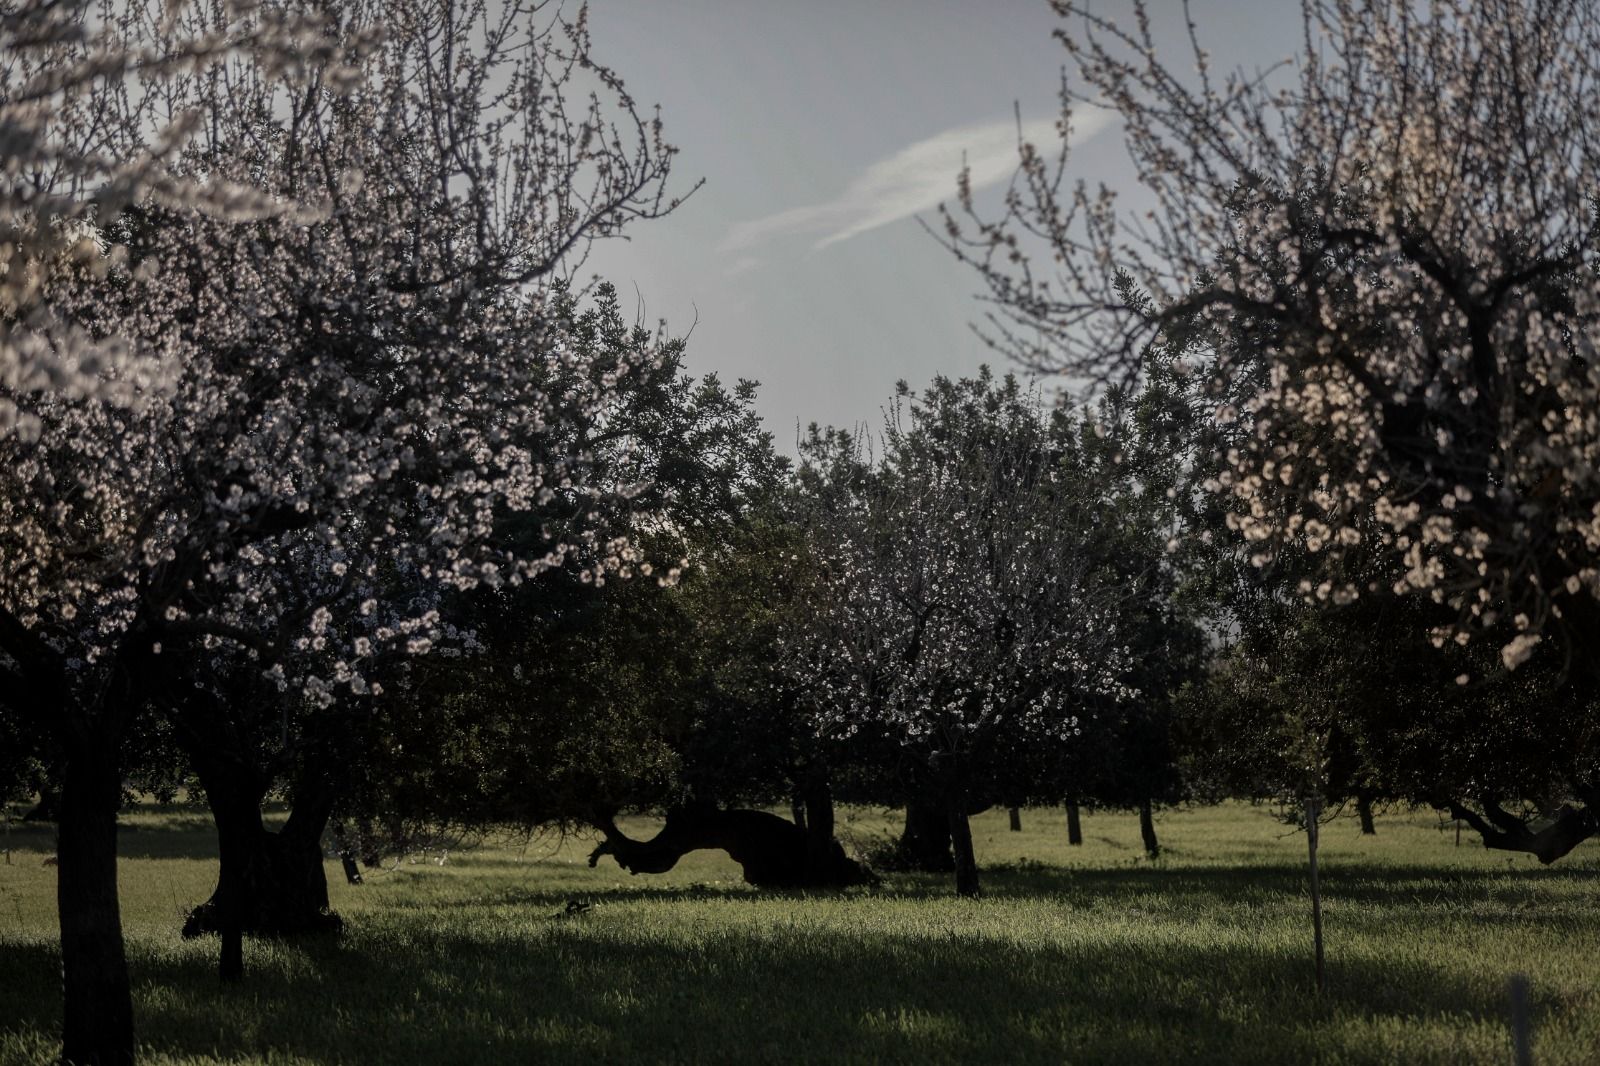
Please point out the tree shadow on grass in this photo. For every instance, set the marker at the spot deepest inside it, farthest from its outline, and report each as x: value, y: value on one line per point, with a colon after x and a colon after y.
x: 593, y: 989
x: 459, y: 985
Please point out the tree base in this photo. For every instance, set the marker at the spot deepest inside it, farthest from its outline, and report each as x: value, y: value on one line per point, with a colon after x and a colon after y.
x: 279, y: 887
x: 206, y: 920
x: 925, y: 843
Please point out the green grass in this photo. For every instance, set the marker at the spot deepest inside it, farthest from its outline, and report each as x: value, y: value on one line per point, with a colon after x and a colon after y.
x: 1080, y: 955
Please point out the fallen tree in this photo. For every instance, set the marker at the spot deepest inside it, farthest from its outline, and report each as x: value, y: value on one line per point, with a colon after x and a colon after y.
x: 774, y: 853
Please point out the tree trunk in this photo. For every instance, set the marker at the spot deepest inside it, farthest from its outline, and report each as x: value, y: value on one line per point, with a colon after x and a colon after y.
x: 817, y: 821
x: 346, y: 850
x: 774, y: 852
x: 48, y: 807
x: 1364, y: 809
x: 1074, y: 825
x: 97, y: 1021
x: 1016, y: 818
x: 1501, y: 829
x: 797, y: 809
x: 269, y: 884
x: 925, y: 843
x: 966, y: 862
x: 1147, y: 829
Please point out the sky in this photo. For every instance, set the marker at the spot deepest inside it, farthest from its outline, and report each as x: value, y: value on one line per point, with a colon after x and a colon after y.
x: 823, y: 130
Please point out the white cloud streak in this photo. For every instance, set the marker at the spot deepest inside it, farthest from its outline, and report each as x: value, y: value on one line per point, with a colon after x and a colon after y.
x: 914, y: 179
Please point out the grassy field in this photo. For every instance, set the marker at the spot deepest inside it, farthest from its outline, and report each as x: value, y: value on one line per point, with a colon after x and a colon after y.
x: 1081, y: 955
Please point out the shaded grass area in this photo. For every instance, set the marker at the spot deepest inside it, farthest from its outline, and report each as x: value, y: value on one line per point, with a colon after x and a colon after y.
x: 1082, y: 955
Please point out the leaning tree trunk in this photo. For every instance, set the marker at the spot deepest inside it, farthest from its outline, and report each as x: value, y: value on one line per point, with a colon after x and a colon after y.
x: 346, y: 849
x: 925, y: 843
x: 270, y: 884
x: 1364, y: 810
x: 1074, y: 825
x: 1505, y: 831
x: 1015, y: 813
x: 774, y: 852
x: 97, y: 1020
x: 966, y: 862
x: 1147, y: 829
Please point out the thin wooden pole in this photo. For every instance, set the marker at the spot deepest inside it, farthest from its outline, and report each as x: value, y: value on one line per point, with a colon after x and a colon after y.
x: 1313, y: 812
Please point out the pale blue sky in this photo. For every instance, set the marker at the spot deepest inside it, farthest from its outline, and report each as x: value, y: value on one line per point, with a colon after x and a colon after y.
x: 820, y: 127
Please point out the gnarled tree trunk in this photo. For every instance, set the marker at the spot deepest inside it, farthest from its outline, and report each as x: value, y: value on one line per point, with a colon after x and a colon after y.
x: 271, y: 884
x: 774, y: 852
x: 1502, y: 830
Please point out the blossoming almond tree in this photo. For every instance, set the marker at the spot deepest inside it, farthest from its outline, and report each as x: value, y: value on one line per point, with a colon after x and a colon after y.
x: 365, y: 382
x: 964, y: 595
x: 1384, y: 254
x: 349, y: 625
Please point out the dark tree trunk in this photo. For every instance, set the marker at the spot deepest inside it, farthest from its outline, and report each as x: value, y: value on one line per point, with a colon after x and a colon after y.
x: 1364, y: 810
x: 347, y: 853
x: 1147, y: 829
x: 966, y: 862
x: 925, y: 844
x: 97, y: 1021
x: 270, y: 884
x: 49, y: 806
x: 1015, y: 814
x: 774, y: 852
x: 1502, y: 830
x: 1074, y: 825
x: 817, y: 820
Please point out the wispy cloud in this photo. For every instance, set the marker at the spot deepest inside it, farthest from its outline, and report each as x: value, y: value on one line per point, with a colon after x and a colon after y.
x: 914, y: 179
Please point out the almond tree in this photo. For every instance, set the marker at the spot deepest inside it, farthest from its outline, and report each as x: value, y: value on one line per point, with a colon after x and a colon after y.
x: 965, y: 595
x: 1381, y: 257
x: 356, y: 389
